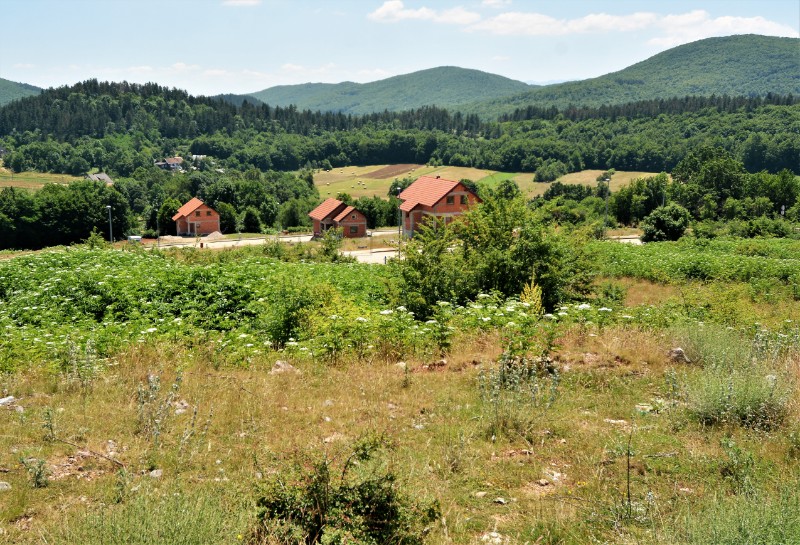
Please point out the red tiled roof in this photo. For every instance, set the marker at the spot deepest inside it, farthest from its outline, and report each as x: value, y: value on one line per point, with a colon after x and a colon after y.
x: 328, y: 207
x: 173, y: 160
x: 344, y: 213
x: 188, y: 208
x: 426, y: 190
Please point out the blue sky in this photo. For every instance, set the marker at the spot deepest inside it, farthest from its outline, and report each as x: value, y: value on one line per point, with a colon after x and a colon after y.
x: 239, y: 46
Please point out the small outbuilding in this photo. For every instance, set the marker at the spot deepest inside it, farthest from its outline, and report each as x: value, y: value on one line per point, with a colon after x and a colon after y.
x: 101, y: 177
x: 196, y: 218
x: 333, y: 213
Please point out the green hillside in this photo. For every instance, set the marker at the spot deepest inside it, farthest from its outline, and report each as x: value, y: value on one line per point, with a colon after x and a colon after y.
x: 11, y: 90
x: 446, y: 86
x: 747, y: 65
x: 237, y: 100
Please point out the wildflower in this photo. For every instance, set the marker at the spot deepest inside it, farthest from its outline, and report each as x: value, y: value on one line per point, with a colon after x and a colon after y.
x: 361, y: 319
x: 584, y: 306
x: 334, y: 317
x: 483, y: 296
x: 549, y: 316
x: 486, y: 318
x: 401, y: 309
x: 604, y: 309
x: 243, y: 335
x: 443, y: 303
x: 387, y: 312
x: 431, y: 322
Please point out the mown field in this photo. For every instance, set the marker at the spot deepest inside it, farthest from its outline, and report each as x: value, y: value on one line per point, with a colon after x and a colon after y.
x: 371, y: 181
x: 146, y: 408
x: 32, y: 180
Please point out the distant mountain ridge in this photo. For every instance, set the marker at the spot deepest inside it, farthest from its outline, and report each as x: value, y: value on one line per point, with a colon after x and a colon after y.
x: 12, y: 90
x: 445, y: 86
x: 742, y: 65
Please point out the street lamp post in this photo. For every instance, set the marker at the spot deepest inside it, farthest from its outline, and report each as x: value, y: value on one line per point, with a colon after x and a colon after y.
x: 110, y: 229
x: 605, y: 218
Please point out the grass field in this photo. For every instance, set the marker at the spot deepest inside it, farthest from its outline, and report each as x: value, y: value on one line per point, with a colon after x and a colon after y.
x: 615, y: 442
x: 32, y: 180
x: 356, y: 181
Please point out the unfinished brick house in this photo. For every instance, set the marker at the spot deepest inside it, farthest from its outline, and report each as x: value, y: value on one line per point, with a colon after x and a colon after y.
x: 333, y: 213
x: 196, y: 218
x: 433, y: 197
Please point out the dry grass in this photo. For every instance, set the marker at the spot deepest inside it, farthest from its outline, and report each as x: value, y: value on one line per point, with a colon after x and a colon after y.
x: 243, y: 424
x: 356, y: 181
x: 33, y: 180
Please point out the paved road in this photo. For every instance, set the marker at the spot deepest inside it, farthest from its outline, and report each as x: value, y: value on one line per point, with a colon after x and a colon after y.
x: 376, y: 256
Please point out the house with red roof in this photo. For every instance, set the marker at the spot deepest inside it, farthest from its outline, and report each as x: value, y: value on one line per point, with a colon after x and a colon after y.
x: 433, y: 197
x: 196, y: 218
x: 333, y: 213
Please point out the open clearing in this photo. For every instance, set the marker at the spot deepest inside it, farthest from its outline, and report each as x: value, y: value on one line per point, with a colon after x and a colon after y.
x: 33, y: 180
x: 369, y: 181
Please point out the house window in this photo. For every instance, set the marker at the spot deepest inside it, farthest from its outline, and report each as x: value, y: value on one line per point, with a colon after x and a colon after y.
x: 464, y: 199
x: 208, y: 212
x: 354, y: 229
x: 197, y: 213
x: 451, y: 199
x: 353, y: 217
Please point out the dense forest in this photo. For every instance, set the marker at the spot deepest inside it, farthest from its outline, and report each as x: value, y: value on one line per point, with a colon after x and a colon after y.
x: 119, y: 127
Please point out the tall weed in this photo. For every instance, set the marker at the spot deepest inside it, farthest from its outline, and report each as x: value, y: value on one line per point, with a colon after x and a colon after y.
x: 744, y: 380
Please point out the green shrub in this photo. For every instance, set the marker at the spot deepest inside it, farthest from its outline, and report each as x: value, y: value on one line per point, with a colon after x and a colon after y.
x: 665, y: 223
x: 357, y: 501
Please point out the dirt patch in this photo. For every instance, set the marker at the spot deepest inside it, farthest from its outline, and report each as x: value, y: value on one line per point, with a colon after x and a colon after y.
x: 391, y: 171
x: 82, y: 465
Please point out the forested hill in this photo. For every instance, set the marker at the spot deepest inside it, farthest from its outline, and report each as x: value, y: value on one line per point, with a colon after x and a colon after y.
x: 445, y: 87
x: 746, y: 65
x: 11, y: 90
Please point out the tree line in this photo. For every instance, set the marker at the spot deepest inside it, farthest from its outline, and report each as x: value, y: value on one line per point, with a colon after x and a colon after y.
x: 119, y: 127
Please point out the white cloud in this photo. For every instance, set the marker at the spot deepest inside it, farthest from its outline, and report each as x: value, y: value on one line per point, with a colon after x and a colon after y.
x: 241, y: 3
x: 501, y: 58
x: 538, y: 24
x: 24, y: 65
x: 215, y: 72
x: 696, y: 25
x: 393, y: 11
x: 144, y: 69
x: 289, y: 67
x: 496, y: 3
x: 674, y: 29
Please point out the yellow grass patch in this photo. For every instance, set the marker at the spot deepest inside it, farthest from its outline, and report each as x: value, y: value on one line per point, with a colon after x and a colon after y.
x: 356, y: 181
x: 33, y: 180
